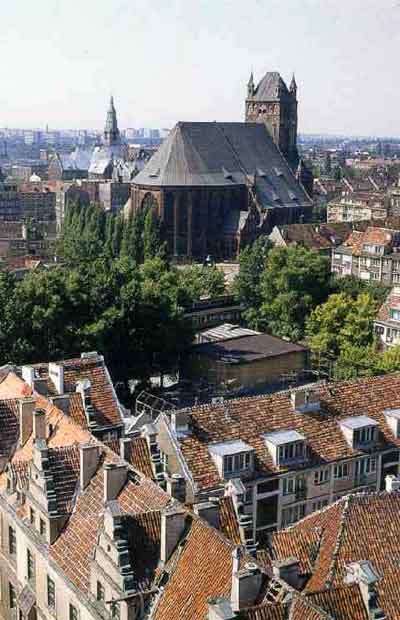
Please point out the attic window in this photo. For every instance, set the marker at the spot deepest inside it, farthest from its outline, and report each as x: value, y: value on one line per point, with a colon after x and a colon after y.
x: 227, y: 174
x: 275, y: 197
x: 359, y: 431
x: 232, y: 457
x: 261, y: 172
x: 393, y: 419
x: 293, y: 196
x: 286, y: 447
x: 155, y: 174
x: 278, y: 171
x: 395, y: 314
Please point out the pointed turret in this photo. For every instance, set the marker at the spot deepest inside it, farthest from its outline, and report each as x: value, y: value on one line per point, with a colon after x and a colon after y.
x: 293, y: 85
x: 111, y: 132
x: 250, y: 86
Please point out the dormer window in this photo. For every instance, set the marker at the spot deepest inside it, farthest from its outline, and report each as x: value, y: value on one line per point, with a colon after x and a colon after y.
x: 359, y: 431
x: 286, y: 447
x: 393, y: 420
x: 232, y: 457
x: 373, y: 249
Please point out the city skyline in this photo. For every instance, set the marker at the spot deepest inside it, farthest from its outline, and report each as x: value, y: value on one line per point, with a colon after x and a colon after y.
x: 192, y: 62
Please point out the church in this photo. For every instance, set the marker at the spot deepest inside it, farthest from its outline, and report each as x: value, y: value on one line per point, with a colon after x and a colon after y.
x: 218, y: 186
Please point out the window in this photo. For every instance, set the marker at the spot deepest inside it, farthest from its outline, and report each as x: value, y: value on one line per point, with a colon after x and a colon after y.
x: 12, y: 541
x: 321, y: 503
x: 100, y: 594
x: 12, y: 596
x: 42, y: 528
x: 395, y: 314
x: 293, y: 485
x: 32, y: 516
x: 236, y: 462
x: 364, y: 435
x: 341, y: 471
x: 365, y: 466
x: 291, y: 452
x: 321, y: 476
x: 248, y: 496
x: 51, y: 593
x: 73, y: 612
x: 30, y: 565
x: 293, y: 514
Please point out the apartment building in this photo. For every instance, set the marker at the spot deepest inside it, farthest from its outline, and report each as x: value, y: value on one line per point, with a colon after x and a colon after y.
x: 18, y: 205
x: 283, y: 456
x: 355, y: 206
x: 372, y: 255
x: 84, y: 536
x: 387, y: 322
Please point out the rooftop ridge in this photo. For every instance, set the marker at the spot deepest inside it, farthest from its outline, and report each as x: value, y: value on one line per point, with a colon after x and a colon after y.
x: 340, y: 533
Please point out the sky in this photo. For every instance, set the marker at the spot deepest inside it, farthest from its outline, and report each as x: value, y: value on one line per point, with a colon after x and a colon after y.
x: 170, y: 60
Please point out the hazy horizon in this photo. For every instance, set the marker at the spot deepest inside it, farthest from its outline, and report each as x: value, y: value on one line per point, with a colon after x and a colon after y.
x: 165, y: 62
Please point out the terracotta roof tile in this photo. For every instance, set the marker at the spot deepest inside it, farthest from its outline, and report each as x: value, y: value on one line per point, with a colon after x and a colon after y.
x: 373, y: 235
x: 138, y: 455
x: 391, y: 301
x: 9, y: 426
x: 228, y: 522
x: 297, y: 544
x: 346, y: 602
x: 249, y: 418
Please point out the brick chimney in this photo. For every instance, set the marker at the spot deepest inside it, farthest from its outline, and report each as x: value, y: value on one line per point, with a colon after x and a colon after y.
x: 209, y: 511
x: 172, y: 528
x: 114, y: 479
x: 39, y: 424
x: 26, y: 409
x: 88, y: 462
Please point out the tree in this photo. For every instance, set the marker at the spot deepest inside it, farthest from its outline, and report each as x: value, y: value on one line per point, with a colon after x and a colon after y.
x: 252, y: 262
x: 294, y: 281
x: 198, y: 281
x: 341, y: 322
x: 151, y: 234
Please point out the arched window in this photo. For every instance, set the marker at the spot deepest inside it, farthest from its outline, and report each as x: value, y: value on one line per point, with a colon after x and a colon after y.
x: 150, y: 202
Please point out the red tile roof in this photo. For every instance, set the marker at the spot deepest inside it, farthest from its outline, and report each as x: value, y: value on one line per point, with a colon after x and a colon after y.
x: 391, y: 301
x: 249, y: 418
x: 346, y: 602
x: 373, y: 235
x: 138, y: 455
x: 228, y: 521
x: 9, y: 426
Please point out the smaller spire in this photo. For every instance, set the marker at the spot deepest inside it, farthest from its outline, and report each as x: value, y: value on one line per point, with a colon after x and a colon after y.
x: 293, y: 85
x: 250, y: 86
x: 251, y: 80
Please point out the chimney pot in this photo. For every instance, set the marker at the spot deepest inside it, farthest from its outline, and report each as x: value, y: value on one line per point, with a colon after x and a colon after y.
x: 392, y: 483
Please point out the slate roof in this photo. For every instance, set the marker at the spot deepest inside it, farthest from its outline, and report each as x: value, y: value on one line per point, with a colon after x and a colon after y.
x: 270, y: 88
x: 249, y: 419
x: 223, y: 155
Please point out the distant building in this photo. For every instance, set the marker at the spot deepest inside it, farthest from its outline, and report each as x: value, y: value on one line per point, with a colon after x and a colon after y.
x: 213, y: 311
x: 217, y: 186
x: 15, y: 206
x: 387, y: 323
x: 372, y: 255
x: 319, y: 237
x: 357, y: 206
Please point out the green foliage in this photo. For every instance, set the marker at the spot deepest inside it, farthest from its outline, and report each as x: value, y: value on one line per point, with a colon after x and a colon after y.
x: 341, y: 322
x: 352, y: 286
x: 294, y: 281
x: 252, y: 262
x: 198, y: 281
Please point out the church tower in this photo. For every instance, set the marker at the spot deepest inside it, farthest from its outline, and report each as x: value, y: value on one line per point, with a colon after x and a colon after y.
x: 271, y: 102
x: 111, y: 131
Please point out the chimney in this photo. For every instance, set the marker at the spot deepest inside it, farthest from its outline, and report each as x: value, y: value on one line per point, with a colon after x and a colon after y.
x: 220, y: 609
x: 28, y: 375
x: 114, y: 479
x: 363, y: 573
x: 88, y: 462
x: 39, y: 424
x: 56, y: 374
x: 176, y: 487
x: 246, y: 584
x: 288, y: 570
x: 180, y: 423
x: 304, y: 401
x: 209, y: 511
x: 172, y: 528
x: 392, y: 483
x: 124, y: 445
x: 26, y: 409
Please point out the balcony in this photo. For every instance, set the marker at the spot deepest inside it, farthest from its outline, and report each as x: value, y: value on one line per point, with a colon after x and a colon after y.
x: 300, y: 494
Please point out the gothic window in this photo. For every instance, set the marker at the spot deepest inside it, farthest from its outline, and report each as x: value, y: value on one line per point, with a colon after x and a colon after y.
x: 169, y: 209
x: 150, y: 202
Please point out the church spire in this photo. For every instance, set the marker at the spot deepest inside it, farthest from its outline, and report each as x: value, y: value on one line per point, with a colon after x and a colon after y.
x: 250, y: 86
x: 293, y: 85
x: 111, y: 132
